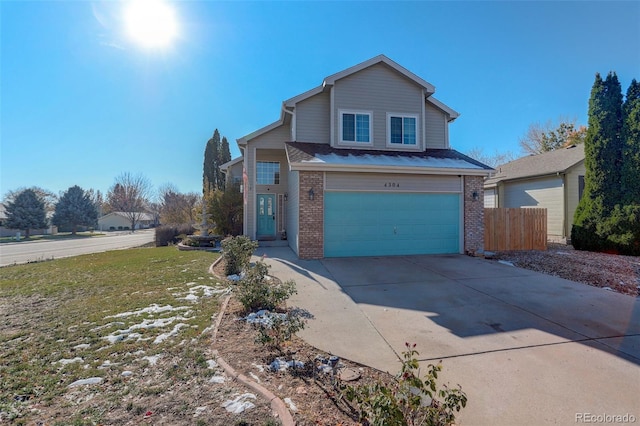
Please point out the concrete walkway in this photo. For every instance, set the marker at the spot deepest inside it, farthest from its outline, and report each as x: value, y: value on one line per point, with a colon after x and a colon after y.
x: 527, y: 348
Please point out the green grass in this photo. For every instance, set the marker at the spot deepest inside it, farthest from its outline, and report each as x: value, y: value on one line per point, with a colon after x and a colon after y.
x: 47, y: 309
x: 58, y: 236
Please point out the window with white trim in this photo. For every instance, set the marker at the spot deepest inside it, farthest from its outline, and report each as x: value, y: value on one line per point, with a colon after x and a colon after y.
x: 402, y: 129
x: 267, y: 172
x: 355, y: 127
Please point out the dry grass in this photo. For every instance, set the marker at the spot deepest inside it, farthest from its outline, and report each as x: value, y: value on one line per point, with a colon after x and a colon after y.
x: 65, y: 309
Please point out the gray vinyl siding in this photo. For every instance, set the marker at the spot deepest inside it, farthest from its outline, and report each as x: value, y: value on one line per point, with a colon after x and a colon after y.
x: 249, y: 214
x: 380, y: 90
x: 274, y: 139
x: 271, y: 149
x: 543, y: 192
x: 313, y: 119
x: 293, y: 206
x: 378, y: 182
x: 436, y: 129
x: 280, y: 188
x: 572, y: 192
x: 490, y: 198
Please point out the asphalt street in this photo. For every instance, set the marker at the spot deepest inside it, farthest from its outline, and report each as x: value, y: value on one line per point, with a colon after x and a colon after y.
x: 31, y: 251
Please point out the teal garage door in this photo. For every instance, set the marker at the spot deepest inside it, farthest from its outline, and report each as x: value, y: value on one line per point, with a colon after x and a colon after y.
x: 375, y: 224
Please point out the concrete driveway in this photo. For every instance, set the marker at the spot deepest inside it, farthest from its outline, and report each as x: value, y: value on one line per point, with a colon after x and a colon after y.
x: 527, y: 348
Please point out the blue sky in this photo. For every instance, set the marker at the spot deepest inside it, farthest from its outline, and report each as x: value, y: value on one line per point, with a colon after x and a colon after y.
x: 82, y: 103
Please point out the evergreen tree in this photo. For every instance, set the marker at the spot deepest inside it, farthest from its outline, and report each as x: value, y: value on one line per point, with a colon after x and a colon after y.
x: 211, y: 157
x: 631, y: 145
x: 608, y: 214
x: 226, y: 210
x: 224, y: 156
x: 75, y: 208
x: 603, y: 148
x: 26, y: 211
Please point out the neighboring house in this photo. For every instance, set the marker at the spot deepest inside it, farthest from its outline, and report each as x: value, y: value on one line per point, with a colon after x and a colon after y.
x: 362, y: 166
x: 120, y: 221
x: 553, y: 180
x: 233, y: 171
x: 8, y: 232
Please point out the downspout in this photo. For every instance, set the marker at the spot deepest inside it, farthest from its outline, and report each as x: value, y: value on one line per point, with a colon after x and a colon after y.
x: 293, y: 122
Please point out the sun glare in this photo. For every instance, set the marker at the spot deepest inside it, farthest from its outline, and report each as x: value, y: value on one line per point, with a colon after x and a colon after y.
x: 151, y: 23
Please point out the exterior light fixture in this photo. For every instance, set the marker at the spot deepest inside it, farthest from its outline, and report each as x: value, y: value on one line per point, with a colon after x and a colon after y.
x: 475, y: 196
x: 286, y: 196
x: 311, y: 194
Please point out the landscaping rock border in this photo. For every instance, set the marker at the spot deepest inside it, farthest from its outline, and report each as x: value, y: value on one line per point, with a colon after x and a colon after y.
x: 277, y: 405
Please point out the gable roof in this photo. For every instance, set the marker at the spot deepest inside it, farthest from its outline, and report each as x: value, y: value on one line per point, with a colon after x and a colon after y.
x: 231, y: 163
x: 547, y: 163
x: 142, y: 215
x: 288, y: 105
x: 314, y: 156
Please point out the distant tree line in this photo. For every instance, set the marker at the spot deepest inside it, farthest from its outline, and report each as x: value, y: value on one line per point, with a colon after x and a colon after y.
x: 131, y: 195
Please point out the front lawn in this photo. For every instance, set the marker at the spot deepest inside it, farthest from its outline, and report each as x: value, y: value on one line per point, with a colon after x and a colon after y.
x: 134, y: 322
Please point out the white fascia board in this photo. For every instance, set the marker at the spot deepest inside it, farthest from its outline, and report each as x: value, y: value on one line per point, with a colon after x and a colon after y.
x: 243, y: 140
x: 452, y: 113
x: 228, y: 164
x: 301, y: 97
x: 428, y: 87
x: 310, y: 166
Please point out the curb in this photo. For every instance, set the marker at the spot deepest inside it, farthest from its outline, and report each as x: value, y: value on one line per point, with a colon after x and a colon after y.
x: 277, y: 405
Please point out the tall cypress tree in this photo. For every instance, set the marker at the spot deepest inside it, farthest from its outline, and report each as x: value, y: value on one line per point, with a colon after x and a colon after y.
x: 210, y: 168
x: 631, y: 145
x: 224, y: 156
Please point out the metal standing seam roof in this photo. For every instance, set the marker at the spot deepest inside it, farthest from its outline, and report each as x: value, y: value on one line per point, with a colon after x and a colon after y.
x: 305, y: 152
x: 547, y: 163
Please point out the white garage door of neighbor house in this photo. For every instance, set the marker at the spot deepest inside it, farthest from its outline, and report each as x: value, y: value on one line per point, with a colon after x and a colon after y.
x: 382, y: 223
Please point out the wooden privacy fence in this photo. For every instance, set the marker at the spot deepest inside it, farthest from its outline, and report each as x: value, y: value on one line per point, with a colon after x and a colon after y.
x: 515, y: 229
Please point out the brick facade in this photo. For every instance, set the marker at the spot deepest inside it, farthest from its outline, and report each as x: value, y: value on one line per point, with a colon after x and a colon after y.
x: 473, y: 215
x: 311, y: 219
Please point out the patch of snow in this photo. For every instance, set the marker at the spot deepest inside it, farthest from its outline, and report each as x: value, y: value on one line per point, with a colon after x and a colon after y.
x: 152, y: 309
x: 110, y: 324
x: 217, y: 379
x: 199, y: 411
x: 607, y: 288
x: 114, y: 338
x: 240, y: 404
x: 127, y: 373
x: 89, y: 381
x: 68, y: 361
x: 153, y: 359
x: 211, y: 364
x: 259, y: 367
x: 82, y: 346
x: 190, y: 298
x: 256, y: 378
x: 164, y: 336
x: 289, y: 402
x: 563, y: 253
x: 505, y: 262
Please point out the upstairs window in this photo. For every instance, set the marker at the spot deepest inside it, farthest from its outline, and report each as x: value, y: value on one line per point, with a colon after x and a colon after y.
x: 355, y: 127
x: 402, y: 129
x: 267, y: 172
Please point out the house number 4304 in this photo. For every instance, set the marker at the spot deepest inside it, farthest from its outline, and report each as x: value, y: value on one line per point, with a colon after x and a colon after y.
x: 391, y: 185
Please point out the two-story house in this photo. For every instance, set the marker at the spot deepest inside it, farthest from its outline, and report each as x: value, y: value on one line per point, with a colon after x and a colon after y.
x: 361, y: 166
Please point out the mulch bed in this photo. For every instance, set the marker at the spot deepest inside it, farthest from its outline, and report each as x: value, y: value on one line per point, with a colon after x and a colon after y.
x: 313, y: 393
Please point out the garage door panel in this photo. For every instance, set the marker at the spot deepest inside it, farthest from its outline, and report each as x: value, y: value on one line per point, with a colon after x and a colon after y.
x: 374, y: 224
